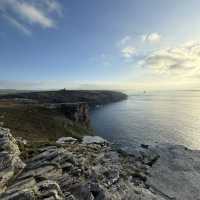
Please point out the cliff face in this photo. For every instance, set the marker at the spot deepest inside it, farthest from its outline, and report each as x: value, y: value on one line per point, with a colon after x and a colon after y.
x: 92, y: 170
x: 76, y: 112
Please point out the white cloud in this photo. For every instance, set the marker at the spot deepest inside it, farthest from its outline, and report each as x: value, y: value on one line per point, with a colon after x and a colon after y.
x: 33, y: 15
x: 152, y: 38
x: 182, y: 61
x: 128, y: 44
x: 124, y: 40
x: 128, y: 52
x: 54, y: 6
x: 24, y: 14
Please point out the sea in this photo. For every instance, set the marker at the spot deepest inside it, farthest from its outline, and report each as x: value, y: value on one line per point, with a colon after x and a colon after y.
x: 151, y: 118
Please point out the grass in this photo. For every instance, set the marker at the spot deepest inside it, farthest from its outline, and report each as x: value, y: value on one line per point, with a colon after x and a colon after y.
x: 38, y: 124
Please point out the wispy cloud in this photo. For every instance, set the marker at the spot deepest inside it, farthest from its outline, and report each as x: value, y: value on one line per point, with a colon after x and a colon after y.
x: 17, y: 24
x: 124, y: 40
x: 54, y: 6
x: 130, y: 45
x: 151, y: 38
x: 24, y: 14
x: 103, y: 59
x: 32, y: 14
x: 128, y: 52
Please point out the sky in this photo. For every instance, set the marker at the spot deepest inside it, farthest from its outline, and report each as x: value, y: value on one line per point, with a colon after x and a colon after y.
x: 100, y: 44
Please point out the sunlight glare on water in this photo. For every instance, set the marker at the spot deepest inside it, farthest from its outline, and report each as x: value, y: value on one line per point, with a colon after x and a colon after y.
x: 162, y: 117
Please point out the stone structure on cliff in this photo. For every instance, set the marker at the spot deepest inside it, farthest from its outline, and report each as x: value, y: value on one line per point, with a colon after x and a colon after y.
x: 92, y: 170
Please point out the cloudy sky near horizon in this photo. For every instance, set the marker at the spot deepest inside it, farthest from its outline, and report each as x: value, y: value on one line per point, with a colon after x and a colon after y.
x: 115, y: 44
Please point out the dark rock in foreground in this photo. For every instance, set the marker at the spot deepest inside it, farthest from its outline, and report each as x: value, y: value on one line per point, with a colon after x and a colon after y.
x: 91, y: 169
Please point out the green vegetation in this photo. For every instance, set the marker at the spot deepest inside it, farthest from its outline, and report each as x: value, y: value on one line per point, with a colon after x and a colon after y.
x: 39, y: 124
x: 70, y: 96
x: 27, y: 117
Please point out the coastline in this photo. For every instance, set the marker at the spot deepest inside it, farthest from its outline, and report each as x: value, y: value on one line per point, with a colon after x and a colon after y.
x: 91, y: 168
x: 47, y: 115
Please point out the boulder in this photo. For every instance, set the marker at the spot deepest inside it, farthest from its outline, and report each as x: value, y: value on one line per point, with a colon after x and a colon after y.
x: 66, y: 140
x: 94, y: 140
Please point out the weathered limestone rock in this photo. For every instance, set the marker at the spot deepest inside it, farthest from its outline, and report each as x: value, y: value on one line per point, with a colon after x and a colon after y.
x: 66, y: 140
x: 29, y: 189
x: 24, y: 189
x: 93, y: 170
x: 93, y: 140
x: 21, y: 195
x: 10, y: 163
x: 50, y: 189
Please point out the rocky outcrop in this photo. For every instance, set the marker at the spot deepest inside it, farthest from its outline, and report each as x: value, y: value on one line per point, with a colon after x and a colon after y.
x: 92, y: 170
x: 10, y: 163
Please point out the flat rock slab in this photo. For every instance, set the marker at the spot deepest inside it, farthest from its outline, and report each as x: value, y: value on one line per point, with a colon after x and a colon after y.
x: 94, y: 140
x: 66, y: 140
x: 176, y: 174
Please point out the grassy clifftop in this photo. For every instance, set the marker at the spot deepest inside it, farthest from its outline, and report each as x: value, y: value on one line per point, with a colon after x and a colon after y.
x: 36, y: 123
x: 70, y: 96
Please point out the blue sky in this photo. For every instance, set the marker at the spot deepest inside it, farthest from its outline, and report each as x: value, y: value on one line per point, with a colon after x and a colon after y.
x: 119, y: 44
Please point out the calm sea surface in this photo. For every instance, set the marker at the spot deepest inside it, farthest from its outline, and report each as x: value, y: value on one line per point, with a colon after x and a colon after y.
x: 150, y: 118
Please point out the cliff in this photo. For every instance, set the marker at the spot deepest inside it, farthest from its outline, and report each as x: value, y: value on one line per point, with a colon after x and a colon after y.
x: 91, y: 169
x: 48, y: 115
x: 69, y: 96
x: 76, y: 112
